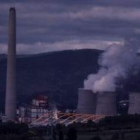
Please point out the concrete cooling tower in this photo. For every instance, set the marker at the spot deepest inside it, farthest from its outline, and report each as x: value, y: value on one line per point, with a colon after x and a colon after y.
x: 106, y: 103
x: 86, y: 102
x: 10, y: 103
x: 134, y: 103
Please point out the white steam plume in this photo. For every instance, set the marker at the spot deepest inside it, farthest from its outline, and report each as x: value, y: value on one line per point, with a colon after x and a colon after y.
x: 114, y: 63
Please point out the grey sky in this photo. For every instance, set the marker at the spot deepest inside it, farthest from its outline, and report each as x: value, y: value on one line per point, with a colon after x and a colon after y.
x: 51, y: 25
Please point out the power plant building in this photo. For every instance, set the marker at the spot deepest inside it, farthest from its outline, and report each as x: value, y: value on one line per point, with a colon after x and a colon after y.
x: 106, y: 104
x: 86, y: 102
x: 10, y: 103
x: 134, y: 103
x: 37, y: 108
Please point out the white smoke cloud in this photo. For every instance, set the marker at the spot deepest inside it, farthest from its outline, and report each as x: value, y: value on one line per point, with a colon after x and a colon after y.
x: 114, y: 63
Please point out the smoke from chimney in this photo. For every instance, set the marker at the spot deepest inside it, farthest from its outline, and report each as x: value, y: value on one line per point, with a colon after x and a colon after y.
x: 114, y: 63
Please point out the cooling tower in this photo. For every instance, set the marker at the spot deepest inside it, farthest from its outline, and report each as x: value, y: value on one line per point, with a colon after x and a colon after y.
x: 106, y: 104
x: 10, y: 103
x: 86, y: 101
x: 134, y: 103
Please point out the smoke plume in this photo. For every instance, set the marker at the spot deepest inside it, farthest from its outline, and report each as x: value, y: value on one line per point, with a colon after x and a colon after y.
x: 114, y: 63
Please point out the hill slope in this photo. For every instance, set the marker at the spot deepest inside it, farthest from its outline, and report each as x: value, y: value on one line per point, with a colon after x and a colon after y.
x: 58, y: 74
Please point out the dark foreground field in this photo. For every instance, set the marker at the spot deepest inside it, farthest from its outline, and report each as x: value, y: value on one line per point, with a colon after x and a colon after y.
x: 111, y: 128
x: 111, y: 135
x: 107, y: 135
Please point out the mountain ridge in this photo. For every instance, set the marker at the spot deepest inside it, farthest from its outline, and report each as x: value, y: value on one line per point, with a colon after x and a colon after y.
x: 58, y: 75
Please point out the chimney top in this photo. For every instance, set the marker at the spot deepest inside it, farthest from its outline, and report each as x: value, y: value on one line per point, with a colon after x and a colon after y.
x: 12, y: 9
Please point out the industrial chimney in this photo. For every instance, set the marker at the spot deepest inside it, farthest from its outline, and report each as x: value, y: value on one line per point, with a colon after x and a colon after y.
x: 134, y: 103
x: 86, y: 102
x: 10, y: 103
x: 106, y: 103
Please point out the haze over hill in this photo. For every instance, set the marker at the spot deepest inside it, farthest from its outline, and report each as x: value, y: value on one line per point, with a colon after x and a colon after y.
x: 57, y: 74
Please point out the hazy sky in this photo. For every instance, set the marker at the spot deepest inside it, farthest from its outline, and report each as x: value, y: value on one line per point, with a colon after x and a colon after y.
x: 51, y: 25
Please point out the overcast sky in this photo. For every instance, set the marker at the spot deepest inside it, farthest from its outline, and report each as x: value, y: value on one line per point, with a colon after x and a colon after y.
x: 52, y: 25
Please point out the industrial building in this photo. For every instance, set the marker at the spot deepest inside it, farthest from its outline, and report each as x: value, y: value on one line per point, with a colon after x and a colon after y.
x: 106, y: 103
x: 103, y: 103
x: 134, y: 103
x: 37, y: 108
x: 86, y: 101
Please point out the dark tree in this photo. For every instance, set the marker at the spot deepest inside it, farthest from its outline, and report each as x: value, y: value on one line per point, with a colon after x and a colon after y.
x: 96, y: 138
x: 72, y: 134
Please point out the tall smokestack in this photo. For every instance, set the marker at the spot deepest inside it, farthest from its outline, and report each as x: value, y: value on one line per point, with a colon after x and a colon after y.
x: 10, y: 103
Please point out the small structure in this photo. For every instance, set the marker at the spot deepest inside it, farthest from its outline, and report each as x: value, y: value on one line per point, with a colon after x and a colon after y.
x: 37, y: 108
